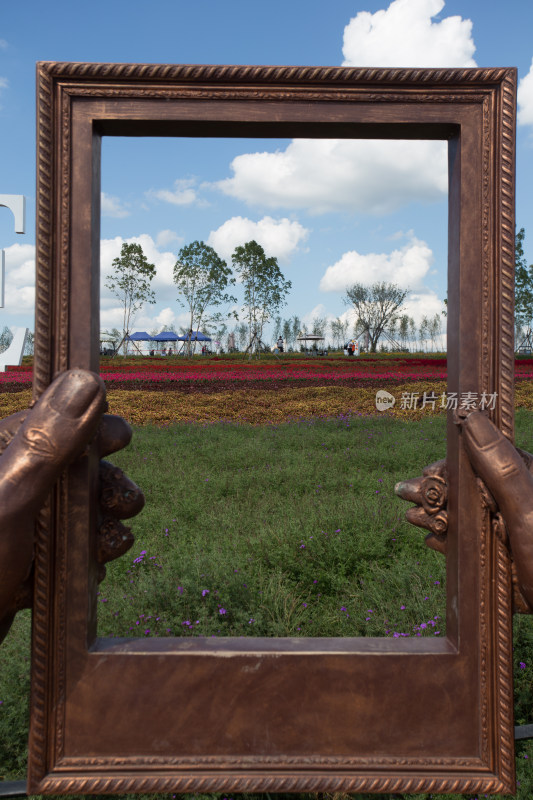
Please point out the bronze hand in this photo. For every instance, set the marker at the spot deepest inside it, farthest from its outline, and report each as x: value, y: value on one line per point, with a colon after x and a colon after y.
x: 505, y: 476
x: 35, y: 446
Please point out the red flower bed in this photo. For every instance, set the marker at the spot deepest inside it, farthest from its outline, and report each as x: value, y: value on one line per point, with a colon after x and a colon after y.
x: 158, y: 374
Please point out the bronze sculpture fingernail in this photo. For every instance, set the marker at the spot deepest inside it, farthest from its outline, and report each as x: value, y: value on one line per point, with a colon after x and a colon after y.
x: 74, y: 393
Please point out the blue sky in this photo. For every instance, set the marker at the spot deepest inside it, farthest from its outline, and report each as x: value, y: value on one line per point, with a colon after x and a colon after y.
x: 350, y: 212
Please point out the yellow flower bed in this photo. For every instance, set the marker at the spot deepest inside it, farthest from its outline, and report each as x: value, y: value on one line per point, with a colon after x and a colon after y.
x: 10, y: 403
x: 258, y: 406
x: 262, y: 406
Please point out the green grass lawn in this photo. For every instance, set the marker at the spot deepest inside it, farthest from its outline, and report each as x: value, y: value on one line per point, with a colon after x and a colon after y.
x: 289, y: 530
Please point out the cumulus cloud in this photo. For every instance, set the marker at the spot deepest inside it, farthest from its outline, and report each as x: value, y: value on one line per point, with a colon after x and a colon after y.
x: 405, y: 35
x: 364, y: 176
x: 324, y: 175
x: 112, y: 206
x: 184, y: 193
x: 20, y: 279
x: 167, y: 237
x: 525, y: 98
x: 279, y: 238
x: 407, y: 267
x: 424, y: 303
x: 111, y: 316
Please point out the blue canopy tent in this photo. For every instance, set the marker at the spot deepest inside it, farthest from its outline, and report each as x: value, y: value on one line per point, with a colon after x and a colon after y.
x: 195, y: 336
x: 166, y: 336
x: 139, y: 336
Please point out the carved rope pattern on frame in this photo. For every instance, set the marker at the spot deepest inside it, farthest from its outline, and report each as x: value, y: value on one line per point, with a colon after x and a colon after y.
x: 507, y: 234
x: 43, y: 294
x: 268, y: 783
x: 264, y: 74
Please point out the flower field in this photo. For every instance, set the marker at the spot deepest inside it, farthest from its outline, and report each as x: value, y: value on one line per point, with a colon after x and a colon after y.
x: 162, y: 391
x: 278, y: 530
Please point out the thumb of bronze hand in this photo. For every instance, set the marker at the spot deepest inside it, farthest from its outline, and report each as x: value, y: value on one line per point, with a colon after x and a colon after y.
x: 497, y: 462
x: 36, y: 445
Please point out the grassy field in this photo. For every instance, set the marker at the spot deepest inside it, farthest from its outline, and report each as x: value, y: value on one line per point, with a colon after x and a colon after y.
x: 287, y: 530
x: 277, y: 530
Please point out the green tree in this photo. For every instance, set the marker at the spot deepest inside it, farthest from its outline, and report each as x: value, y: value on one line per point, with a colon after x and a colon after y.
x: 403, y: 331
x: 523, y: 283
x: 242, y: 333
x: 319, y: 325
x: 30, y: 344
x: 263, y: 283
x: 423, y: 332
x: 287, y: 332
x: 336, y: 332
x: 412, y: 333
x: 434, y: 330
x: 296, y: 323
x: 6, y: 337
x: 202, y: 278
x: 375, y: 307
x: 344, y: 325
x: 130, y: 283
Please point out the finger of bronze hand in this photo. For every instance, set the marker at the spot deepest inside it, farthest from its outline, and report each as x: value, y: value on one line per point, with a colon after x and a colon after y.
x: 436, y: 523
x: 114, y: 539
x: 114, y: 434
x: 503, y: 470
x: 430, y: 494
x: 429, y: 491
x: 119, y: 496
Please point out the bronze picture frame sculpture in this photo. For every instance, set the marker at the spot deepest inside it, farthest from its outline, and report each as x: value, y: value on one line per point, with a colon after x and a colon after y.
x: 277, y: 715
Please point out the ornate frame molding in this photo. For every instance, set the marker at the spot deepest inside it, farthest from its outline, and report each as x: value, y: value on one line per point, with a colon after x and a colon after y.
x: 462, y: 738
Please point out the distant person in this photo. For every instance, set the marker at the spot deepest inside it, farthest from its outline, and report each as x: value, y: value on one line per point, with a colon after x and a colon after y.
x: 280, y: 344
x: 152, y: 353
x: 169, y: 351
x: 349, y: 349
x: 164, y: 351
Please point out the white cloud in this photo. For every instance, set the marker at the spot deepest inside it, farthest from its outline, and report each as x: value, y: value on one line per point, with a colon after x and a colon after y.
x: 112, y: 316
x: 318, y: 311
x: 323, y: 175
x: 404, y: 35
x: 166, y: 317
x: 279, y: 238
x: 406, y: 267
x: 167, y: 237
x: 525, y: 98
x: 20, y: 279
x: 364, y: 176
x: 184, y: 193
x: 424, y: 303
x: 112, y: 206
